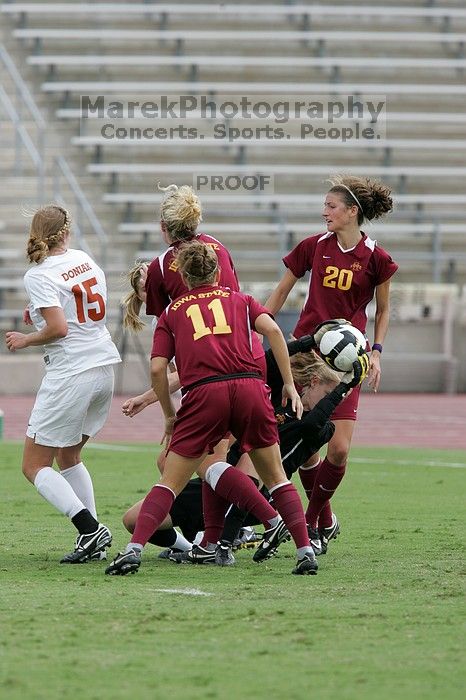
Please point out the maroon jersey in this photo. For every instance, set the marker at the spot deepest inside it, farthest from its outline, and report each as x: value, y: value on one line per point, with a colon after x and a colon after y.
x: 342, y: 282
x: 165, y: 283
x: 209, y: 331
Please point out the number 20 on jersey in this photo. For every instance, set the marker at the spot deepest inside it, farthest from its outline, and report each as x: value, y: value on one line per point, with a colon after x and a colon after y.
x: 337, y: 279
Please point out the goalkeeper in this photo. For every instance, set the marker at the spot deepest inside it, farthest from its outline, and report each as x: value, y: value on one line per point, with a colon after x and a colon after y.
x: 322, y: 389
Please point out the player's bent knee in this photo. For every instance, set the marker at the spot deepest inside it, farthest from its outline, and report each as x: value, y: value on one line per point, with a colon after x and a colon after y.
x: 161, y: 462
x: 28, y: 473
x: 128, y: 521
x: 130, y: 517
x: 338, y: 454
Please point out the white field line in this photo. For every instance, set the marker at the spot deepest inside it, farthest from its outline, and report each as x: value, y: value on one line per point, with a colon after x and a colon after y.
x: 121, y: 448
x: 359, y: 460
x: 408, y: 463
x: 182, y: 591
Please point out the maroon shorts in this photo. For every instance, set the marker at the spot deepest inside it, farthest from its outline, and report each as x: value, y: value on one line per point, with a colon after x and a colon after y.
x: 209, y: 411
x: 348, y: 408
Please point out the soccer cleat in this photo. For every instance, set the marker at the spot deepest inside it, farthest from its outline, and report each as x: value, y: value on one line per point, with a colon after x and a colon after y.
x: 196, y: 555
x: 166, y: 553
x: 224, y: 555
x: 100, y: 555
x: 329, y: 533
x: 314, y: 539
x: 270, y: 542
x: 307, y: 566
x: 248, y: 539
x: 86, y: 545
x: 125, y: 563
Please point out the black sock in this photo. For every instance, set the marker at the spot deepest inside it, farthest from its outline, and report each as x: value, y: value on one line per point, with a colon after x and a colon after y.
x: 234, y: 520
x: 84, y: 522
x: 164, y: 538
x: 233, y: 523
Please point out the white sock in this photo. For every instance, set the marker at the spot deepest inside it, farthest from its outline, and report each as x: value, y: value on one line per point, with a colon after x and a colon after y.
x: 80, y: 481
x: 57, y: 491
x: 198, y: 537
x: 311, y: 466
x: 134, y: 546
x: 214, y: 472
x: 182, y: 543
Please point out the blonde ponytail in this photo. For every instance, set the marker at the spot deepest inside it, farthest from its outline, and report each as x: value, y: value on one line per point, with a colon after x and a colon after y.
x: 180, y: 211
x: 132, y: 302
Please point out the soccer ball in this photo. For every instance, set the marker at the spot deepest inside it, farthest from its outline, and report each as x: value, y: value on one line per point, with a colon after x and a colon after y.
x: 342, y: 346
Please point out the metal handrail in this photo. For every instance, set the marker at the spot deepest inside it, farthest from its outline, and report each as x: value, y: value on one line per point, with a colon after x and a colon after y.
x: 21, y: 88
x: 23, y: 137
x: 24, y: 98
x: 82, y: 207
x: 62, y: 169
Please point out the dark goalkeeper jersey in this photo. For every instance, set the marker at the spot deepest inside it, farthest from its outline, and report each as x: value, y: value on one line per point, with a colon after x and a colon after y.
x: 299, y: 439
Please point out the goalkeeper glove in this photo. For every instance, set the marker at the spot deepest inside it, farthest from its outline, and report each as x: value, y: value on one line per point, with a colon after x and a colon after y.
x: 325, y: 326
x: 358, y: 373
x: 306, y: 343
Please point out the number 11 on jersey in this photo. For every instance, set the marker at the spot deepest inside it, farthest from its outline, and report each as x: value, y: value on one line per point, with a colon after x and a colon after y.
x: 200, y: 328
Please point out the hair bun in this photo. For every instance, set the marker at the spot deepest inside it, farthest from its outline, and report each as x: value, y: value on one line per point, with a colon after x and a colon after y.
x: 380, y: 200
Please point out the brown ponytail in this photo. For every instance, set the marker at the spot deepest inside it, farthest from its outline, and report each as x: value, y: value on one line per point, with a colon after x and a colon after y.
x: 198, y: 263
x: 49, y: 227
x: 372, y: 197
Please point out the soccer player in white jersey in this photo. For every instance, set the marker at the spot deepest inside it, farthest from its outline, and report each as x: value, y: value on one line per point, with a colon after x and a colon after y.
x: 67, y: 305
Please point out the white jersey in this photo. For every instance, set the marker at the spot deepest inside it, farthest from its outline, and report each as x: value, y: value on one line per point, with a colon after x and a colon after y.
x: 76, y: 284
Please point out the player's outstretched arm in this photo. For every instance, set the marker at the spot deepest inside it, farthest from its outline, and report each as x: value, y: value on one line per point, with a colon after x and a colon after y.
x: 266, y: 325
x: 279, y: 295
x: 136, y: 404
x: 382, y: 318
x: 161, y: 388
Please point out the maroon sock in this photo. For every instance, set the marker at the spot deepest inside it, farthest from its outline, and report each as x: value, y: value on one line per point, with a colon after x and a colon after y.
x: 327, y: 481
x: 154, y: 510
x: 235, y: 487
x: 214, y: 508
x: 289, y: 505
x: 308, y: 477
x: 325, y: 516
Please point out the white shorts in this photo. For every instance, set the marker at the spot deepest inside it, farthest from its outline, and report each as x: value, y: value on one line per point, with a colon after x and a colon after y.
x: 67, y: 409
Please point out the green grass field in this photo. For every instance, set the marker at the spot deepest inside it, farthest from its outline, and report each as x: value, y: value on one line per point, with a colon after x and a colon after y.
x: 383, y: 619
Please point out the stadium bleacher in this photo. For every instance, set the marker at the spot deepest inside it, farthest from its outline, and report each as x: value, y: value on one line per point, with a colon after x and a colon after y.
x: 411, y: 54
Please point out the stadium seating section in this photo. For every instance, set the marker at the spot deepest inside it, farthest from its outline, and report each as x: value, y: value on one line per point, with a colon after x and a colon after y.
x: 410, y: 57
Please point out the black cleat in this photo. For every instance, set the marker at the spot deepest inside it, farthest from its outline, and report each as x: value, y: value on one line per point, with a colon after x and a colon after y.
x: 167, y: 553
x: 248, y: 539
x: 329, y: 533
x: 224, y: 555
x: 86, y: 545
x: 125, y: 563
x: 98, y: 555
x: 314, y: 539
x: 307, y: 566
x: 196, y: 555
x: 270, y: 542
